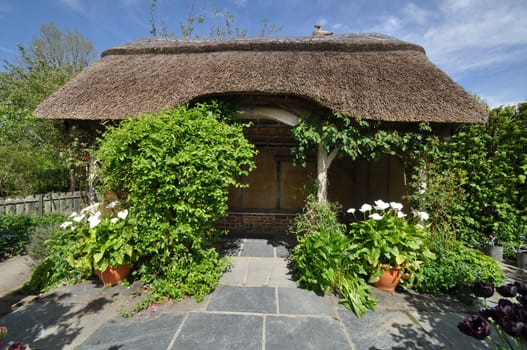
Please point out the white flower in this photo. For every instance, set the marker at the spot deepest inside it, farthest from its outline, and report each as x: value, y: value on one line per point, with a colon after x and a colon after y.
x: 381, y: 205
x: 112, y: 204
x: 365, y: 208
x: 66, y: 224
x: 400, y: 214
x: 376, y: 216
x: 79, y: 218
x: 350, y: 211
x: 423, y: 216
x: 92, y: 209
x: 114, y: 220
x: 123, y: 214
x: 95, y: 219
x: 422, y: 188
x: 396, y: 206
x: 74, y: 214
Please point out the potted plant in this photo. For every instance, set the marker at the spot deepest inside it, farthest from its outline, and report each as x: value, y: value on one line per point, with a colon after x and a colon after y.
x: 388, y: 243
x: 520, y: 248
x: 104, y: 243
x: 494, y: 248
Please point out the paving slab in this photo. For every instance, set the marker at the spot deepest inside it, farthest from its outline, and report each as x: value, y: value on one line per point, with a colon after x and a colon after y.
x: 281, y: 275
x: 237, y: 273
x: 220, y: 331
x: 304, y: 333
x: 444, y: 328
x: 243, y: 299
x: 64, y: 318
x: 257, y: 248
x: 259, y: 271
x: 15, y: 272
x: 296, y: 301
x: 145, y: 332
x: 387, y: 330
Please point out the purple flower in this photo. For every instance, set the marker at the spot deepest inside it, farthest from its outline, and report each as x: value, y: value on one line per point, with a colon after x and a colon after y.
x: 499, y: 313
x: 483, y: 290
x: 475, y: 326
x: 515, y: 329
x: 520, y: 313
x: 521, y: 287
x: 508, y: 291
x: 16, y: 346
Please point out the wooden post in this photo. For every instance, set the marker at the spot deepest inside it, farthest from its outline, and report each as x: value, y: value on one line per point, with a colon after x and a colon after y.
x: 40, y: 205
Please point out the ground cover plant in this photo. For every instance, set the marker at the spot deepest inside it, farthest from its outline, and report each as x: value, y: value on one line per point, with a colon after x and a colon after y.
x: 455, y: 268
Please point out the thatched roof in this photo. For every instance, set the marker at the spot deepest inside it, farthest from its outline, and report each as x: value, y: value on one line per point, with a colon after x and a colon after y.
x: 374, y: 76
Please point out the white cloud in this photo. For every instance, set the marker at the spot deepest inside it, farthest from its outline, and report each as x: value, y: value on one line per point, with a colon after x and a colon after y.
x: 391, y: 25
x: 414, y: 13
x: 463, y: 35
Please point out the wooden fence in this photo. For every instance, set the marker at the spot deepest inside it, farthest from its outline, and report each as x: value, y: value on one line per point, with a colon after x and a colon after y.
x: 41, y: 204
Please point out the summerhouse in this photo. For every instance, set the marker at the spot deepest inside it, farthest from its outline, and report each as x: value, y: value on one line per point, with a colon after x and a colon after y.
x: 274, y: 80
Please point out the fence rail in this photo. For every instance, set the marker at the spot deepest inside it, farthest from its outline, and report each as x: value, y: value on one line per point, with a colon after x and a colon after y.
x: 42, y: 204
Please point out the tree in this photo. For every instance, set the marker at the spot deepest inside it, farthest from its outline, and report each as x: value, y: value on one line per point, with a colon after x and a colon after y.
x: 223, y: 27
x: 33, y: 153
x: 333, y: 135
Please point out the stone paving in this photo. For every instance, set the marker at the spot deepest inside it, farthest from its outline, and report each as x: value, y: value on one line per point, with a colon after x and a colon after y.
x: 256, y: 306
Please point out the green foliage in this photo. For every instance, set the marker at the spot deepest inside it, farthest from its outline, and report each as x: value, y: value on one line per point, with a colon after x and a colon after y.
x: 456, y: 268
x: 173, y: 172
x: 386, y: 239
x: 14, y: 235
x: 44, y: 227
x: 350, y: 136
x: 324, y: 258
x: 29, y: 159
x: 50, y: 245
x: 16, y: 231
x: 475, y: 180
x: 100, y: 241
x: 33, y: 152
x: 317, y: 217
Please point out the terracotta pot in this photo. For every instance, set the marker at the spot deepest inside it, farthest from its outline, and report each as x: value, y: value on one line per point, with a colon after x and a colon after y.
x: 389, y: 279
x: 112, y: 276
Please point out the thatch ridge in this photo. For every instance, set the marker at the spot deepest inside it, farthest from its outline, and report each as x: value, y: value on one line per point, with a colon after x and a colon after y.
x: 343, y: 43
x: 374, y: 76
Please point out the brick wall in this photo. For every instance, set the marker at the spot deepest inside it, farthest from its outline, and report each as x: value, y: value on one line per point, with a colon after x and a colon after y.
x: 256, y: 224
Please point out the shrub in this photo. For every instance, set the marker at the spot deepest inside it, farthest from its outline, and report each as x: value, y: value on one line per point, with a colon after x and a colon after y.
x: 14, y: 235
x: 173, y: 172
x: 455, y: 268
x: 43, y: 230
x: 475, y: 180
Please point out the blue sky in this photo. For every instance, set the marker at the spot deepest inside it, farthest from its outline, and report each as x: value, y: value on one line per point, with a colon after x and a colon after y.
x: 481, y: 44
